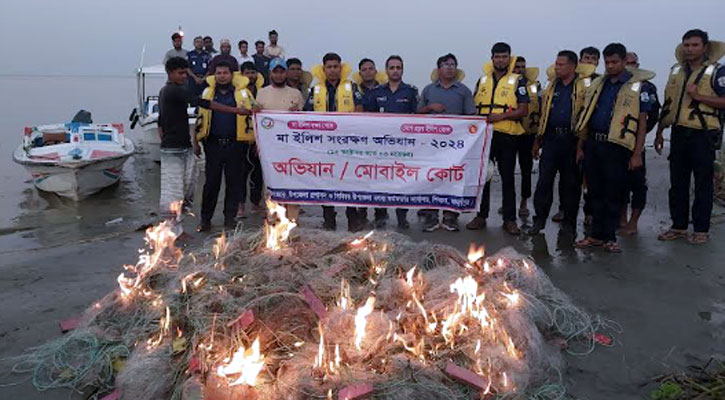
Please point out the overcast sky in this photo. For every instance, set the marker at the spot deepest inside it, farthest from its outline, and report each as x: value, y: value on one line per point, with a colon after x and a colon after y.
x: 105, y: 37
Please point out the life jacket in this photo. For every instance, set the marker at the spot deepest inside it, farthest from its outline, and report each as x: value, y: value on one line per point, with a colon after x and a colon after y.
x: 582, y: 81
x: 243, y: 98
x: 502, y: 98
x: 679, y: 108
x: 531, y: 121
x: 343, y: 95
x: 624, y: 124
x: 380, y: 78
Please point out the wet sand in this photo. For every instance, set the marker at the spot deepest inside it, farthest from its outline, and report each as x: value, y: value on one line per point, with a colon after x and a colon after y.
x: 669, y: 298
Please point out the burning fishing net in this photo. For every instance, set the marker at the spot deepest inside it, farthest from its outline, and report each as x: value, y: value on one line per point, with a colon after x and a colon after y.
x: 297, y: 314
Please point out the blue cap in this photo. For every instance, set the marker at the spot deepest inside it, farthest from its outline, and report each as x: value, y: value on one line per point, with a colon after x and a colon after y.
x: 277, y: 62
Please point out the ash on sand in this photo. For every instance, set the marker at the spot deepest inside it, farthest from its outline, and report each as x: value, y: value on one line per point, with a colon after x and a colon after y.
x: 397, y: 313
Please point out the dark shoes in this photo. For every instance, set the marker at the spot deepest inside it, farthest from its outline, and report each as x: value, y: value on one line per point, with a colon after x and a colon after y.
x: 511, y: 228
x: 476, y: 223
x: 535, y: 229
x: 204, y: 226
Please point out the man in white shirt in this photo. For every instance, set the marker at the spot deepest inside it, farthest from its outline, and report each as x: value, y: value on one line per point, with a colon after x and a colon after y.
x: 243, y: 52
x: 273, y: 50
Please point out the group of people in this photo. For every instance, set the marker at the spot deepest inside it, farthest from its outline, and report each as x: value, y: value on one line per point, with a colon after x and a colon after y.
x: 588, y: 128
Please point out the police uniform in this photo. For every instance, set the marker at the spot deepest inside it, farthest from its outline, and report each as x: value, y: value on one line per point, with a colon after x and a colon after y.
x: 636, y: 189
x: 403, y: 101
x: 696, y: 135
x: 558, y: 151
x: 198, y: 63
x: 609, y: 126
x: 526, y: 143
x: 503, y: 145
x: 331, y: 104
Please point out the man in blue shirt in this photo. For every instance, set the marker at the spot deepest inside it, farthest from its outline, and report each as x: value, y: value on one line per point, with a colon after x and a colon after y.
x: 198, y: 64
x: 607, y: 157
x: 395, y: 97
x: 558, y: 146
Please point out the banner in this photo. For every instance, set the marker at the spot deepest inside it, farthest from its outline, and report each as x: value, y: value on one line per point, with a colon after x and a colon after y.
x: 375, y: 160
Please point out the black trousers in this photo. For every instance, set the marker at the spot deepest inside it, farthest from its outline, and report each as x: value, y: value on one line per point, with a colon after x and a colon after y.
x: 606, y: 170
x: 222, y: 158
x: 503, y: 150
x: 251, y: 175
x: 382, y: 213
x: 526, y: 162
x: 558, y: 155
x: 636, y: 191
x: 692, y: 152
x: 353, y: 214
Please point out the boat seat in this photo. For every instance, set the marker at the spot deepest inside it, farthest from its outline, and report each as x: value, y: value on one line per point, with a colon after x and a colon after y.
x: 50, y: 138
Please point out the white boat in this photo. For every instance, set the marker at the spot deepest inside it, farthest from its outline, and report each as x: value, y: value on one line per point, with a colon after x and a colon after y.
x: 75, y: 159
x: 146, y: 114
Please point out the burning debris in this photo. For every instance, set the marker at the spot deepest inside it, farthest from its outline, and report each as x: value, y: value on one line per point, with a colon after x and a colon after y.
x: 271, y: 315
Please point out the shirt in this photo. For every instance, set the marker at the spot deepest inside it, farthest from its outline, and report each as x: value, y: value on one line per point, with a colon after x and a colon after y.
x: 223, y: 57
x: 272, y: 51
x: 602, y: 116
x: 242, y: 59
x: 224, y: 125
x: 280, y: 99
x: 175, y: 53
x: 357, y: 97
x: 382, y: 99
x: 457, y: 98
x: 561, y: 106
x: 173, y: 118
x: 261, y: 62
x: 198, y: 62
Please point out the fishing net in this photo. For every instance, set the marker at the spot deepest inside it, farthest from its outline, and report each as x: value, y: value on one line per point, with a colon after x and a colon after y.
x: 316, y: 316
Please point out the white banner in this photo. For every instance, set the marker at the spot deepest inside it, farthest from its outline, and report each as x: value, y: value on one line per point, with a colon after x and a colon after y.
x: 376, y: 160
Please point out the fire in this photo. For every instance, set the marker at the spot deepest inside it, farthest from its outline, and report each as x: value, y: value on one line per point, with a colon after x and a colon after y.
x: 246, y: 362
x: 165, y: 323
x: 323, y: 363
x: 410, y: 281
x: 220, y: 246
x: 475, y: 254
x: 361, y: 320
x: 345, y: 301
x: 361, y: 240
x: 470, y: 304
x: 277, y: 233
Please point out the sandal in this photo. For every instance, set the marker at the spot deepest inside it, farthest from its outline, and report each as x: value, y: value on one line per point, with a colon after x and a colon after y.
x: 612, y: 247
x: 672, y: 234
x: 699, y: 238
x: 588, y: 242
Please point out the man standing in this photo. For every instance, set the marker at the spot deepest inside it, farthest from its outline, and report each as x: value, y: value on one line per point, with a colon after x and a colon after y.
x: 252, y: 178
x: 611, y: 132
x: 177, y: 51
x: 367, y: 76
x: 198, y: 65
x: 693, y: 107
x: 502, y: 97
x: 225, y: 56
x: 243, y: 56
x: 587, y: 56
x: 278, y: 96
x: 273, y: 50
x: 261, y: 62
x: 296, y: 77
x: 335, y: 93
x: 562, y: 100
x: 178, y: 145
x: 637, y: 179
x: 531, y: 126
x: 396, y: 97
x: 209, y: 46
x: 446, y: 95
x: 223, y: 136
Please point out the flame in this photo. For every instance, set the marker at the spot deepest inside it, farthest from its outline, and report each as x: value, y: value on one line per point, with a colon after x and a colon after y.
x: 409, y: 277
x: 345, y: 301
x: 513, y: 296
x: 246, y: 362
x: 361, y: 321
x: 475, y: 253
x: 470, y: 304
x: 323, y: 363
x: 165, y: 323
x: 277, y: 233
x: 220, y: 246
x: 361, y: 240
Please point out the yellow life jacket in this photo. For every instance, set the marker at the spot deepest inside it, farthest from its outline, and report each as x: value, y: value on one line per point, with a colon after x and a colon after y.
x: 679, y: 108
x: 582, y: 81
x: 489, y: 101
x: 243, y: 98
x: 343, y: 95
x: 625, y: 115
x: 531, y: 121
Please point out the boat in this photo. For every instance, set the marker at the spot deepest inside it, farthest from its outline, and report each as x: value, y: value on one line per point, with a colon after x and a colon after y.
x: 75, y: 159
x: 146, y: 114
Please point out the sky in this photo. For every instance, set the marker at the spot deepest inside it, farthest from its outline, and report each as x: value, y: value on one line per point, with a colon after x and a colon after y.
x: 105, y: 37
